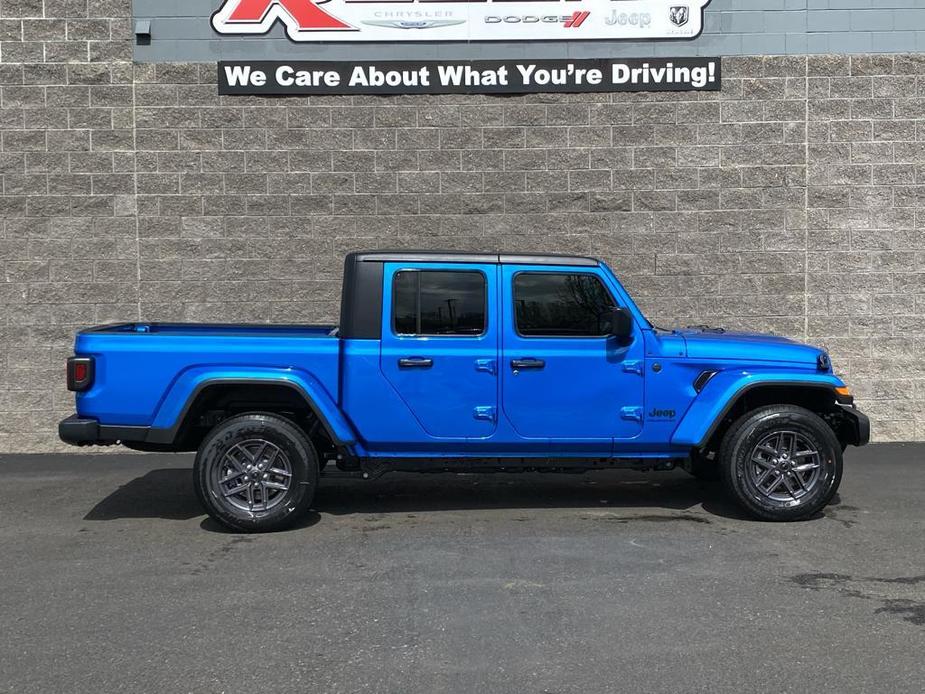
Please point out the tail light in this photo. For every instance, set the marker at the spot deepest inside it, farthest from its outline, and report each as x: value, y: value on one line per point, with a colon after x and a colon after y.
x: 79, y: 373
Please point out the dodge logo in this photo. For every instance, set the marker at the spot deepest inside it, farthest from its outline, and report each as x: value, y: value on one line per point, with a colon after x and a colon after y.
x: 569, y: 21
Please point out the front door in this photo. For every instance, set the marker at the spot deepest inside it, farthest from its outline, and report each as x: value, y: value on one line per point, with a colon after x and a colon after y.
x: 563, y: 376
x: 440, y: 345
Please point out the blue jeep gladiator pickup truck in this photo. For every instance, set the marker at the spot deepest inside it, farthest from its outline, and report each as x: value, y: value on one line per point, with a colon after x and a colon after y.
x: 462, y: 362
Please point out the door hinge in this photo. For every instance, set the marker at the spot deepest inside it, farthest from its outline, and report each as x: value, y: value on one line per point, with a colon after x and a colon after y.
x: 633, y: 366
x: 486, y: 365
x: 486, y: 412
x: 634, y: 414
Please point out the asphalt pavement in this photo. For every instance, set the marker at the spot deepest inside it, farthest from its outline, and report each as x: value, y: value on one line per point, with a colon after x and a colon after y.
x: 113, y: 580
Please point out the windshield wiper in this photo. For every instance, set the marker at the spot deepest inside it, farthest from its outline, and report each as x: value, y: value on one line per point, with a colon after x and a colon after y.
x: 706, y: 328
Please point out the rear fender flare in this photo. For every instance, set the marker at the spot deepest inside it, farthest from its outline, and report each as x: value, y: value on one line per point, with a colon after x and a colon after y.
x: 183, y: 392
x: 722, y: 391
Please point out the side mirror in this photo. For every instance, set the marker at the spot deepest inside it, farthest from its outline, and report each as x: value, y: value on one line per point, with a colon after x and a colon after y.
x: 621, y: 325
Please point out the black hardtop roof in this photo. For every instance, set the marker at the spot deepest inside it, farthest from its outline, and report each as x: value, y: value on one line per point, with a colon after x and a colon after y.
x: 463, y: 257
x: 361, y: 302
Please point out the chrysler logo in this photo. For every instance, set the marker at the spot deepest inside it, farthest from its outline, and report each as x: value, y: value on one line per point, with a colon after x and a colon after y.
x: 679, y: 14
x: 413, y: 23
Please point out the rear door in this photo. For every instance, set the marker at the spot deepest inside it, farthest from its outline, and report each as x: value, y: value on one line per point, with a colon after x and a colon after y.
x: 563, y: 376
x: 440, y: 334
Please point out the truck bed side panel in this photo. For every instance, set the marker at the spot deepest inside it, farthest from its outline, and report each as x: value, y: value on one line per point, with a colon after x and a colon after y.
x: 135, y: 372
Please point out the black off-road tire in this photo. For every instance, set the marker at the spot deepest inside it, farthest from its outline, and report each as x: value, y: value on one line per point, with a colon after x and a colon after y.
x: 740, y: 442
x: 278, y: 432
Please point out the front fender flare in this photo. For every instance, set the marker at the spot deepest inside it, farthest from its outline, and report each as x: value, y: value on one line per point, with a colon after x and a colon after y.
x: 184, y: 390
x: 721, y: 392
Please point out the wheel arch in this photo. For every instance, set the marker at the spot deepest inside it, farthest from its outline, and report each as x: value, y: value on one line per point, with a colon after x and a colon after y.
x: 726, y: 399
x: 272, y: 392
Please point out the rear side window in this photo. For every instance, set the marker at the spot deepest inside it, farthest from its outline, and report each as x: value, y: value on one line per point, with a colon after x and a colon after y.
x: 438, y: 302
x: 555, y: 304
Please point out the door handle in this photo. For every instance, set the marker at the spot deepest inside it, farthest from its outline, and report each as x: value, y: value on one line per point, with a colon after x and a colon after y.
x: 528, y: 363
x: 415, y: 363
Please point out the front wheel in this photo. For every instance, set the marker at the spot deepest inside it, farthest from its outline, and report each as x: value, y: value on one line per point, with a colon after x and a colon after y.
x: 781, y: 463
x: 256, y: 473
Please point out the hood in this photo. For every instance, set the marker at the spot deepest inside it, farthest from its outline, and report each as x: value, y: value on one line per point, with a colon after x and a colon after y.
x: 713, y: 343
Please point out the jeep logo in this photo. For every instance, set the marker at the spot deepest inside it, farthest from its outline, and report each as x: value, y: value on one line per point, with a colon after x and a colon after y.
x: 662, y: 414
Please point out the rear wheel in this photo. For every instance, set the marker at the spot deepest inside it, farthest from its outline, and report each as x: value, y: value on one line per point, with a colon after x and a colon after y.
x: 256, y: 473
x: 781, y: 463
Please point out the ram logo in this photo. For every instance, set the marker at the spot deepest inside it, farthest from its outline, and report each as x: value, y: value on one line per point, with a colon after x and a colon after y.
x: 679, y: 14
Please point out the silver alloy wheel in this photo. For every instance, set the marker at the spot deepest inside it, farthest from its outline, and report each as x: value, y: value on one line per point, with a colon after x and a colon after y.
x: 253, y: 475
x: 785, y: 466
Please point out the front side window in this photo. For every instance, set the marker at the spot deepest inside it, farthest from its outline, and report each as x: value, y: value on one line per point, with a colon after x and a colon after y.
x: 553, y: 304
x: 439, y: 302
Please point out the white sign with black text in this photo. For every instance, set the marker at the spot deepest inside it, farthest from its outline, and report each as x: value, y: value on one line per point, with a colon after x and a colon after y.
x: 463, y: 20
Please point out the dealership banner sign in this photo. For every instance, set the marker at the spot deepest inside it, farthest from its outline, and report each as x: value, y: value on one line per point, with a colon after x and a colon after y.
x: 463, y: 20
x: 300, y: 78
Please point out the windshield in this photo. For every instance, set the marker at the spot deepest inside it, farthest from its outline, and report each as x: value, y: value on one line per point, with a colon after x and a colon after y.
x: 624, y: 296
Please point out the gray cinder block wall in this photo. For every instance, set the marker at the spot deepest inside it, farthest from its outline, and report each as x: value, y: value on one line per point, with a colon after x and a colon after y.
x: 790, y: 202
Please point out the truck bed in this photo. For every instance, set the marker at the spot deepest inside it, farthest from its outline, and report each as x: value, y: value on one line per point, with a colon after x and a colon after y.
x: 144, y: 370
x: 216, y: 329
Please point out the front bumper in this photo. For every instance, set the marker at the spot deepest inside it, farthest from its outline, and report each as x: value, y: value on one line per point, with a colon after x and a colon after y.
x: 855, y: 427
x: 85, y: 431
